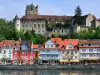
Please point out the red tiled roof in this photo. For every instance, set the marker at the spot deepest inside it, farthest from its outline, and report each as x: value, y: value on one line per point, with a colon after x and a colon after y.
x: 74, y: 42
x: 34, y: 46
x: 57, y: 40
x: 47, y: 17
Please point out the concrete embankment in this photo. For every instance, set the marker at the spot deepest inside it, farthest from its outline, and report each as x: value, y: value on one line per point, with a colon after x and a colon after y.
x: 42, y: 67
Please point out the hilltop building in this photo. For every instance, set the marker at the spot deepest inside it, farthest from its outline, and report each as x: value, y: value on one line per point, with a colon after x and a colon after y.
x: 39, y: 23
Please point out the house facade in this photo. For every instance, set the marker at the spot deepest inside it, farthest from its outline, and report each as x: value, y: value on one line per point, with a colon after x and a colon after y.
x: 50, y: 52
x: 6, y: 54
x: 23, y: 53
x: 69, y: 51
x: 89, y: 49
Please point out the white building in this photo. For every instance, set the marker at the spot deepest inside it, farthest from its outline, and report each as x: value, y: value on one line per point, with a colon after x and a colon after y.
x: 69, y: 51
x: 89, y: 49
x: 6, y: 52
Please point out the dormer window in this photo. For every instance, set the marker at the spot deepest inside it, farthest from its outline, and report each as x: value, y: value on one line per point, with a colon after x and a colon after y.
x: 63, y: 47
x: 57, y: 45
x: 70, y: 46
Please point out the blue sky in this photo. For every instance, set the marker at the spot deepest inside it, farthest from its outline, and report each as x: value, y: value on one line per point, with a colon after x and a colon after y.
x: 9, y: 8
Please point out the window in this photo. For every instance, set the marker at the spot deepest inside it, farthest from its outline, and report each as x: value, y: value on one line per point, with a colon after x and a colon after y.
x: 70, y: 46
x: 91, y: 55
x: 22, y: 52
x: 48, y: 51
x: 4, y: 52
x: 9, y: 56
x: 75, y: 56
x: 98, y: 50
x: 67, y: 52
x: 71, y: 52
x: 83, y: 50
x: 10, y: 52
x: 22, y: 57
x: 15, y: 57
x: 75, y: 52
x: 26, y: 57
x: 90, y: 50
x: 38, y: 25
x: 42, y: 25
x: 47, y: 46
x: 83, y: 55
x: 98, y: 55
x: 52, y: 46
x: 34, y: 25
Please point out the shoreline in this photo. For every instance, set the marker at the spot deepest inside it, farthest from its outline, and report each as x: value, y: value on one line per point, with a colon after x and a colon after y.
x: 51, y: 67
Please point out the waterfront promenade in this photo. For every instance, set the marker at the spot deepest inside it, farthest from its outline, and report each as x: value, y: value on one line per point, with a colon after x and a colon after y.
x: 49, y: 67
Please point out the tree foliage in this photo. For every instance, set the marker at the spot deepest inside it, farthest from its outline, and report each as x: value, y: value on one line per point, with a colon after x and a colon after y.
x: 8, y: 32
x: 78, y: 11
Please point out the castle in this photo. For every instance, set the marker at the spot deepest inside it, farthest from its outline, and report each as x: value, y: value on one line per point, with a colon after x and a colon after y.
x: 32, y: 20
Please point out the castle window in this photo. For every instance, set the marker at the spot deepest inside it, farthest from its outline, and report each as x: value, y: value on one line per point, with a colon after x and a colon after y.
x: 38, y: 25
x: 34, y: 25
x: 42, y: 25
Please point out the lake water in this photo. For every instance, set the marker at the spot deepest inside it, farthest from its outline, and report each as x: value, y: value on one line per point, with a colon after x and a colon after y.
x: 49, y: 72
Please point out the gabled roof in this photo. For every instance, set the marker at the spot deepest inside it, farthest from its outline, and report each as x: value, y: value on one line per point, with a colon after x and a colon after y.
x: 57, y: 40
x: 66, y: 42
x: 16, y: 17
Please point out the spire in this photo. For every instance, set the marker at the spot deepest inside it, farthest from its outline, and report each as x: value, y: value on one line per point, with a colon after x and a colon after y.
x: 16, y: 17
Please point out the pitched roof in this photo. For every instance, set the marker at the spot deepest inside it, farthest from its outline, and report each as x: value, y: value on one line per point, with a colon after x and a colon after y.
x: 16, y: 17
x: 57, y: 40
x: 9, y: 42
x: 66, y: 42
x: 47, y: 17
x: 97, y: 41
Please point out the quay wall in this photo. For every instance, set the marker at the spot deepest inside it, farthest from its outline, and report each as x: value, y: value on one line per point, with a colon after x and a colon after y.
x: 47, y: 67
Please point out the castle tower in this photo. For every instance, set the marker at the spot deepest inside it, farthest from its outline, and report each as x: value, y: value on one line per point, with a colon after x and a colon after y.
x: 31, y: 9
x: 16, y: 22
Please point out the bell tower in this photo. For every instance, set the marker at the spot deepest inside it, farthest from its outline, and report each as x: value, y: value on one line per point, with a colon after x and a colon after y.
x: 31, y: 9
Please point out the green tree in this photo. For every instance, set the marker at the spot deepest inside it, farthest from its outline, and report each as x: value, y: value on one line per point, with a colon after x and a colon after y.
x: 78, y: 11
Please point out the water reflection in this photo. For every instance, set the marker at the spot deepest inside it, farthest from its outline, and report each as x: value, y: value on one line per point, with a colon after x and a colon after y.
x: 48, y: 72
